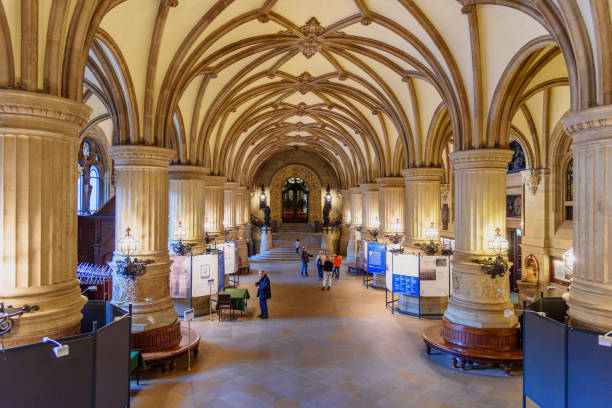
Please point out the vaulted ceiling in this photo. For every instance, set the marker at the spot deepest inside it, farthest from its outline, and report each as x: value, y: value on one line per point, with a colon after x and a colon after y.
x: 370, y: 86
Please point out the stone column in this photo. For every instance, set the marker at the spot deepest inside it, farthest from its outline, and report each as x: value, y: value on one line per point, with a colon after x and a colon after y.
x: 142, y: 184
x: 391, y: 201
x: 369, y: 207
x: 356, y: 220
x: 346, y: 221
x: 213, y: 212
x: 230, y: 207
x: 590, y: 295
x: 39, y: 139
x: 422, y: 202
x: 187, y: 203
x: 480, y: 203
x: 241, y: 226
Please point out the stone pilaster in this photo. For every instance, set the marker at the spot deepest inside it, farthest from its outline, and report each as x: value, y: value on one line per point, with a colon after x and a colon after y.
x: 142, y: 184
x: 422, y: 202
x: 391, y: 201
x: 369, y: 206
x: 356, y: 221
x: 213, y: 212
x: 187, y: 202
x: 346, y: 220
x: 590, y: 295
x: 230, y: 207
x: 480, y: 202
x: 39, y: 139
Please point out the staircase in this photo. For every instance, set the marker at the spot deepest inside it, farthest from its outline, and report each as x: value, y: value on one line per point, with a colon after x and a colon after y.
x: 283, y: 244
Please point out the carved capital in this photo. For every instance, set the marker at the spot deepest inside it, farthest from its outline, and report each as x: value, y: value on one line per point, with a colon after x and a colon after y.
x: 531, y: 179
x: 468, y: 9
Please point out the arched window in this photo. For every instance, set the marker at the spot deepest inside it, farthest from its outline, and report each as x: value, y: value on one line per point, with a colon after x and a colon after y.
x: 569, y: 191
x: 90, y: 194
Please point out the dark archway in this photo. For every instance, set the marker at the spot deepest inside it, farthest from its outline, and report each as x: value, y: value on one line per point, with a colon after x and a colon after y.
x: 295, y: 200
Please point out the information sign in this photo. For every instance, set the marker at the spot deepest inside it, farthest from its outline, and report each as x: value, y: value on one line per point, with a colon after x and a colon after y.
x: 376, y: 258
x: 221, y: 278
x: 434, y: 276
x: 406, y: 274
x: 188, y: 315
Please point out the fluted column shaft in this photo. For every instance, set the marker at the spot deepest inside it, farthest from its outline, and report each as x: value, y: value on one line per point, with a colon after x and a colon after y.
x: 39, y: 138
x: 422, y: 201
x: 391, y: 201
x: 241, y: 206
x: 480, y: 198
x: 213, y: 197
x: 187, y: 202
x: 590, y: 294
x: 356, y: 204
x: 230, y: 205
x: 369, y: 206
x: 141, y: 200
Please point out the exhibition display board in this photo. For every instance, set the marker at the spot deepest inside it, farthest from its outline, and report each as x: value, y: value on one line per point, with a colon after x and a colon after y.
x: 434, y: 276
x: 189, y: 275
x: 230, y: 255
x: 376, y: 254
x: 221, y: 271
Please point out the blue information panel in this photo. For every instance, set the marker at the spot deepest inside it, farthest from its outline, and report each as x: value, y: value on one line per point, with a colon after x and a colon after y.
x: 407, y: 285
x: 221, y: 280
x: 376, y: 258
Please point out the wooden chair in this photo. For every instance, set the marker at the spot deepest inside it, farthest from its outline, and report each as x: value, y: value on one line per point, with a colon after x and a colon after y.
x: 224, y: 302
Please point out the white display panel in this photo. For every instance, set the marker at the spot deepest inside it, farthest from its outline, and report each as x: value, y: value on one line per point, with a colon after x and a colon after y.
x: 205, y: 267
x: 230, y: 256
x: 434, y: 276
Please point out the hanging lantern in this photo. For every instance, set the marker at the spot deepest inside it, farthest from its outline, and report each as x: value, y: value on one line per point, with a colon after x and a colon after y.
x: 431, y: 233
x: 498, y: 244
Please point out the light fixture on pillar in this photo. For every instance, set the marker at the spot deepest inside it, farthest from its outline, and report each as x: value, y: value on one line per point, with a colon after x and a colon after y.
x: 8, y: 313
x: 374, y: 231
x: 396, y: 238
x: 432, y: 247
x: 226, y: 231
x: 263, y: 198
x: 431, y: 233
x: 496, y: 265
x: 128, y: 266
x: 208, y: 238
x: 179, y: 247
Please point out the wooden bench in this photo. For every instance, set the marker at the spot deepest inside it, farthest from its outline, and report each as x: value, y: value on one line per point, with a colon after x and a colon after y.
x: 355, y: 269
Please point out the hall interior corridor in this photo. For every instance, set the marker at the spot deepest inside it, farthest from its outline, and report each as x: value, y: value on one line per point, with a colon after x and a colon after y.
x: 337, y: 348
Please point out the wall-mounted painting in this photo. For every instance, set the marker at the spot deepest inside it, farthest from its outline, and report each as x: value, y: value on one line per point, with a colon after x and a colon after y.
x: 514, y: 204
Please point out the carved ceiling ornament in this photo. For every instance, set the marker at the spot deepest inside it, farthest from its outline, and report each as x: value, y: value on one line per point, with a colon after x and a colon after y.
x: 311, y: 180
x: 304, y: 83
x: 310, y: 45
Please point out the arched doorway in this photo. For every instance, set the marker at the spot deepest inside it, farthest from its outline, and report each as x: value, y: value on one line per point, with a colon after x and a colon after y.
x: 295, y: 200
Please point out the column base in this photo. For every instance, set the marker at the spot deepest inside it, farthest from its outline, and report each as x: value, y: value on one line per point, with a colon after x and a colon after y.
x: 590, y: 305
x: 477, y: 338
x: 157, y: 339
x: 59, y: 314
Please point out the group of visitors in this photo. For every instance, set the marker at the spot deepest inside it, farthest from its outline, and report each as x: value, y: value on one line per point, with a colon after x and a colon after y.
x: 327, y: 268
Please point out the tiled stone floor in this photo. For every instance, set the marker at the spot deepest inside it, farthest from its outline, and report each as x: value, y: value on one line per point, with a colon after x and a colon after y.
x: 337, y: 348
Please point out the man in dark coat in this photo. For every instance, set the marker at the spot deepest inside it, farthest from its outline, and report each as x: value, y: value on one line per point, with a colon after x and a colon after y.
x: 263, y: 293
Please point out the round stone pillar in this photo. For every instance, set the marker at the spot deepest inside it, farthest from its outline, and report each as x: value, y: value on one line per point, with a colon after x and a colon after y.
x: 187, y: 203
x: 213, y: 211
x: 230, y: 207
x: 422, y: 202
x: 327, y: 242
x: 480, y: 201
x: 39, y: 140
x: 356, y: 220
x: 346, y: 221
x: 369, y: 208
x: 266, y: 240
x: 391, y: 201
x: 142, y: 184
x: 590, y: 294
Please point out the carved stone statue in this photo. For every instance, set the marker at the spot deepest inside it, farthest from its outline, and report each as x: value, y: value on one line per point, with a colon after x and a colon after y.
x: 267, y: 217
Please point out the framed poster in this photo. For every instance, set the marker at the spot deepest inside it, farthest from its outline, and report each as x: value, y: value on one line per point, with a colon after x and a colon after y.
x: 559, y: 273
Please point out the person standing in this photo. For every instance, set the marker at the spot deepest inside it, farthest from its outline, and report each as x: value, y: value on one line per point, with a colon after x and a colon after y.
x: 328, y: 266
x: 337, y: 263
x: 297, y: 246
x: 263, y: 293
x: 319, y: 262
x: 305, y: 259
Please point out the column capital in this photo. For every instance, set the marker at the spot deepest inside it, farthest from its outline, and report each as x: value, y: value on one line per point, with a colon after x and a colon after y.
x: 489, y: 159
x: 40, y: 111
x: 365, y: 187
x: 231, y: 185
x: 186, y: 172
x: 215, y: 181
x: 355, y: 190
x: 423, y: 174
x: 141, y: 155
x: 589, y: 125
x: 386, y: 182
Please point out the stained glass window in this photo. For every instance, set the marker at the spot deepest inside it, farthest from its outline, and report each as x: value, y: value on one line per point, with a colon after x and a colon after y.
x: 90, y: 192
x: 569, y: 191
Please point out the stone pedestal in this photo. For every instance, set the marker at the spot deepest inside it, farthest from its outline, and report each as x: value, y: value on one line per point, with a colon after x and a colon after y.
x: 478, y: 300
x: 187, y: 203
x: 266, y: 240
x: 39, y: 139
x: 391, y: 201
x: 142, y: 184
x: 213, y: 210
x: 327, y: 242
x: 422, y: 202
x: 590, y: 295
